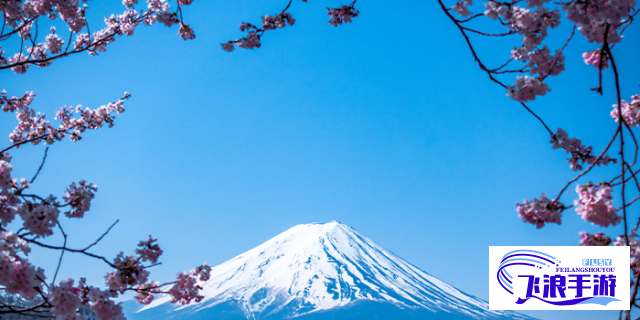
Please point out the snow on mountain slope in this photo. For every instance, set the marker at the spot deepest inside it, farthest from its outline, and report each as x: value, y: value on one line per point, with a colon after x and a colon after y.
x: 317, y: 267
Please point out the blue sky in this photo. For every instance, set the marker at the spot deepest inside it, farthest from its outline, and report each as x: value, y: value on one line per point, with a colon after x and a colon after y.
x: 385, y: 124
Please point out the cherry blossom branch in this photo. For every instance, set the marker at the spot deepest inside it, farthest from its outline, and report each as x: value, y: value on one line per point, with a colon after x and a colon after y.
x: 473, y: 51
x: 489, y: 34
x: 634, y: 294
x: 40, y: 244
x: 598, y: 89
x: 6, y: 36
x: 621, y: 121
x: 101, y: 237
x: 483, y: 67
x: 633, y: 176
x: 590, y: 167
x: 15, y: 145
x: 44, y: 158
x: 553, y: 65
x: 338, y: 16
x: 471, y: 18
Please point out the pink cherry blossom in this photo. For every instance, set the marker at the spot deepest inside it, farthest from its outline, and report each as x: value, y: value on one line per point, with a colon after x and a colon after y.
x: 185, y: 289
x: 107, y: 309
x: 53, y: 42
x: 536, y: 3
x: 598, y: 239
x: 593, y: 58
x: 527, y: 88
x: 129, y: 3
x: 39, y: 217
x: 461, y: 7
x: 203, y: 271
x: 64, y: 299
x: 25, y: 30
x: 79, y: 198
x: 543, y: 63
x: 596, y: 205
x: 251, y: 41
x: 129, y: 273
x: 579, y: 153
x: 630, y: 111
x: 186, y: 32
x: 593, y: 17
x: 11, y: 243
x: 343, y: 14
x: 18, y: 276
x: 228, y: 46
x: 19, y: 58
x: 540, y: 211
x: 146, y: 292
x: 149, y: 251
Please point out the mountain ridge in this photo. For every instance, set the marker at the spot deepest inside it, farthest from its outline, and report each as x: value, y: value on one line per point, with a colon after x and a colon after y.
x: 322, y: 268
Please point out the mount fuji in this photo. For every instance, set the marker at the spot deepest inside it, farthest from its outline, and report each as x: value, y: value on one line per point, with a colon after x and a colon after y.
x: 318, y: 272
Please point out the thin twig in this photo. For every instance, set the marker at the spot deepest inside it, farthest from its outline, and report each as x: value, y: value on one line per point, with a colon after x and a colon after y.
x: 102, y: 236
x: 44, y: 158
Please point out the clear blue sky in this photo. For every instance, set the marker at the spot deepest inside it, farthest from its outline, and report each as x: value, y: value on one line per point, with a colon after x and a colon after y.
x: 385, y: 124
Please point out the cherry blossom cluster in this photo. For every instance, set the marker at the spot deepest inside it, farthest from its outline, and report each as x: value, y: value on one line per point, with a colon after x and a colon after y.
x: 630, y: 111
x: 13, y: 244
x: 595, y: 16
x: 527, y: 88
x: 338, y: 16
x: 543, y: 63
x: 593, y: 58
x: 34, y: 127
x: 185, y: 32
x: 279, y: 21
x: 344, y: 14
x: 634, y: 244
x: 203, y: 272
x: 39, y: 217
x: 65, y: 299
x: 101, y: 302
x: 595, y: 204
x: 145, y: 292
x: 540, y: 211
x: 579, y: 153
x: 185, y: 289
x: 79, y: 198
x: 634, y: 249
x: 17, y: 274
x: 130, y: 272
x: 598, y: 239
x: 149, y: 251
x: 8, y: 201
x: 461, y: 7
x: 252, y: 40
x: 533, y: 25
x: 70, y: 11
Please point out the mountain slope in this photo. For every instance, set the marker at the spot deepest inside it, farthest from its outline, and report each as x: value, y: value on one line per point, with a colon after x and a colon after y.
x: 323, y: 271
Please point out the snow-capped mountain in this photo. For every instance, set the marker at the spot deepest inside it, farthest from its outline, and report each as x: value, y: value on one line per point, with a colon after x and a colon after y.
x: 328, y: 269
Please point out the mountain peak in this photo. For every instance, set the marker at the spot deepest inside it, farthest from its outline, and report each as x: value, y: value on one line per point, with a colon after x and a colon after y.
x: 323, y: 266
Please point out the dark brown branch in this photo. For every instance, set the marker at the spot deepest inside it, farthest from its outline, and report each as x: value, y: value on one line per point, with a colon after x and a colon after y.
x: 44, y: 158
x: 482, y: 66
x: 64, y: 246
x: 590, y: 167
x: 102, y: 236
